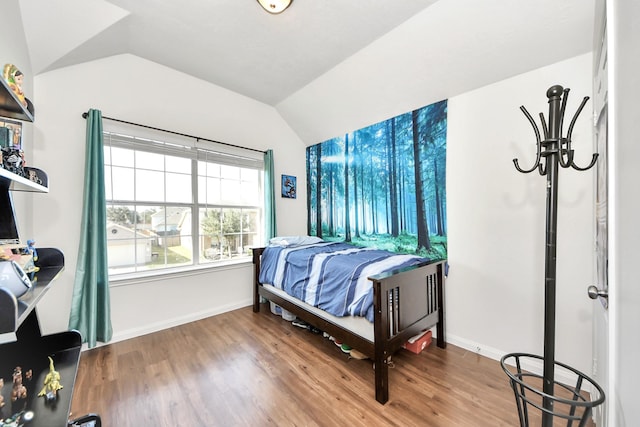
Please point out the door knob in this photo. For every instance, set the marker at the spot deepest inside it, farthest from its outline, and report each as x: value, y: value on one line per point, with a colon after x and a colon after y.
x: 594, y: 292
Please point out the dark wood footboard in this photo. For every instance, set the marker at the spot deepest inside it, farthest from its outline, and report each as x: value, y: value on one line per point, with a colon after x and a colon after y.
x: 407, y: 302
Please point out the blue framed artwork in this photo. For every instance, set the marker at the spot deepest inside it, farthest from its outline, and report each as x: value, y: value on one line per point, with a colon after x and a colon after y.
x: 289, y: 186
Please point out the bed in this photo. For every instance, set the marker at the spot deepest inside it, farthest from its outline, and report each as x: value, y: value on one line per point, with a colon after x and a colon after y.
x: 400, y: 302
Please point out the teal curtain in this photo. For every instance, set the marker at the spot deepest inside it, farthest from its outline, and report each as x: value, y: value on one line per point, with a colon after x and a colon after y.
x: 90, y: 304
x: 269, y: 196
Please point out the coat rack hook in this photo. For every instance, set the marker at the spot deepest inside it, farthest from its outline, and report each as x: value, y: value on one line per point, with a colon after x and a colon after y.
x: 563, y: 108
x: 575, y: 117
x: 544, y: 126
x: 557, y: 148
x: 594, y: 157
x: 565, y: 152
x: 538, y: 144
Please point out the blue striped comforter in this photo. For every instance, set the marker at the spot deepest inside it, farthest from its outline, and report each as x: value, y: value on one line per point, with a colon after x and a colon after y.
x: 330, y: 276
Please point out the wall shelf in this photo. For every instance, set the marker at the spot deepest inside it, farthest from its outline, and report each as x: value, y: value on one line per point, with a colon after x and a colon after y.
x: 13, y: 312
x: 23, y: 345
x: 21, y: 341
x: 19, y: 183
x: 64, y: 349
x: 10, y: 107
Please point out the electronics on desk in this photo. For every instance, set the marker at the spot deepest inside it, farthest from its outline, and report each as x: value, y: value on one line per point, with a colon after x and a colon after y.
x: 13, y: 277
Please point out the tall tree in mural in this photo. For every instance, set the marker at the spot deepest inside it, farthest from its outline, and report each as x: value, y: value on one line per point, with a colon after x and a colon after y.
x: 356, y: 173
x: 421, y: 215
x: 436, y: 139
x: 393, y: 195
x: 383, y: 185
x: 308, y: 157
x: 330, y: 184
x: 347, y: 211
x: 318, y: 203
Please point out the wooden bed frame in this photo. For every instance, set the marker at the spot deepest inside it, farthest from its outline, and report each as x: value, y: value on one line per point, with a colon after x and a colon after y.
x: 407, y: 301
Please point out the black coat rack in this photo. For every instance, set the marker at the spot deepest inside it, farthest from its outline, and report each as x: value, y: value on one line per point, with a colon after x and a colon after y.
x: 552, y: 151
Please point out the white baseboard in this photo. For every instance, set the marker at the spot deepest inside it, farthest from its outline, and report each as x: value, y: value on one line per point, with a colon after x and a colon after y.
x: 535, y: 366
x: 170, y: 323
x: 476, y: 347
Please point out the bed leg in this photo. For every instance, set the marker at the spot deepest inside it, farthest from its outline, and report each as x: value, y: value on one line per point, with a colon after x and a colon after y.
x: 256, y: 296
x: 382, y: 380
x: 256, y: 274
x: 440, y: 327
x: 440, y: 340
x: 256, y: 300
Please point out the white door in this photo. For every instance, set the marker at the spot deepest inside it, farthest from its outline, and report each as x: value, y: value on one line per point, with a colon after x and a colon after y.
x: 601, y: 322
x: 616, y: 337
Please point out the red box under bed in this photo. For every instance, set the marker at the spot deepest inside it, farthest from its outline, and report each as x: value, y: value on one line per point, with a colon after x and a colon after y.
x: 418, y: 344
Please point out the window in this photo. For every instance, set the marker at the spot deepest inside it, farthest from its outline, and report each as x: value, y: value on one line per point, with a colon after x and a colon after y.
x: 177, y: 204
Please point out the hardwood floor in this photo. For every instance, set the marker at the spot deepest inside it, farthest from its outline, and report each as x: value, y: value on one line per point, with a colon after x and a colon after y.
x: 246, y: 369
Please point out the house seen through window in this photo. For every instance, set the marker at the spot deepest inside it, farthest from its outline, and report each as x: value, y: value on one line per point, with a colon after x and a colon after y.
x: 175, y: 205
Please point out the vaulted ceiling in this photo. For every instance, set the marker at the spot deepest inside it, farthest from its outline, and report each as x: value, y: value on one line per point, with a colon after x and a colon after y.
x: 237, y: 45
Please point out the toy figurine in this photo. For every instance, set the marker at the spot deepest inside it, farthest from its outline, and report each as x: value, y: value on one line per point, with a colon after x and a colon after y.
x: 31, y: 249
x: 32, y: 176
x: 12, y: 160
x: 12, y: 421
x: 51, y: 383
x: 29, y: 253
x: 14, y: 78
x: 17, y: 420
x: 19, y: 390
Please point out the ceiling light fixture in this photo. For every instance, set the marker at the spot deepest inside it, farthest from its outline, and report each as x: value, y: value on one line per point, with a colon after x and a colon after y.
x: 275, y: 6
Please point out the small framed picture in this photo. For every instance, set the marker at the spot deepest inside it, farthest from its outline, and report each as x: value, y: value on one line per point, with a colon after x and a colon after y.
x: 10, y: 134
x: 289, y: 186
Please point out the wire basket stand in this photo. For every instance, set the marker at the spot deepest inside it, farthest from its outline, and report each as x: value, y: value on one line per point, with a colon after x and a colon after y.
x: 569, y: 403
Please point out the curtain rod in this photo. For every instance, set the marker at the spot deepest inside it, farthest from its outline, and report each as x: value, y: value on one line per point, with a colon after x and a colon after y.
x: 84, y: 116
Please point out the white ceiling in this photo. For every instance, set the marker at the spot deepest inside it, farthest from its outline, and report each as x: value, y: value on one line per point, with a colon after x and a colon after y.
x: 238, y: 46
x: 232, y: 43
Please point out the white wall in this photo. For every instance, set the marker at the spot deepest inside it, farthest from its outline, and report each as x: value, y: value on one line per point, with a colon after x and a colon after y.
x: 132, y: 89
x: 497, y: 219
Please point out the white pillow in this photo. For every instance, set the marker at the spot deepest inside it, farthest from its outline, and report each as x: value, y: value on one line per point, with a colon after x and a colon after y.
x: 289, y: 241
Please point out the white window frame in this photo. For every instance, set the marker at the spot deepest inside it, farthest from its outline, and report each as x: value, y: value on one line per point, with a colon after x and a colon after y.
x: 196, y: 150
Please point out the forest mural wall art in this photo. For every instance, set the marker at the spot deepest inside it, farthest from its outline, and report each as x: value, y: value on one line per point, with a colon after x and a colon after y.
x: 383, y: 186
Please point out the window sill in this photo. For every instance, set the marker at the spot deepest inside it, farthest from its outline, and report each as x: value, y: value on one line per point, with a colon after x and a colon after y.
x: 154, y: 276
